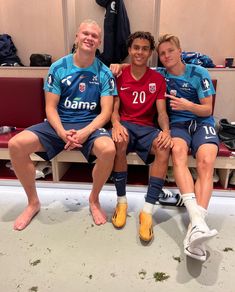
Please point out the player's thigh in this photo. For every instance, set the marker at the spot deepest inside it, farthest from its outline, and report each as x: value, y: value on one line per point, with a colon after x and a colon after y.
x: 26, y: 141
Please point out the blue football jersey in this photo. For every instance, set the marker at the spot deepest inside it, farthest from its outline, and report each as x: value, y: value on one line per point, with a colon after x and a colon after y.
x: 193, y: 85
x: 80, y: 89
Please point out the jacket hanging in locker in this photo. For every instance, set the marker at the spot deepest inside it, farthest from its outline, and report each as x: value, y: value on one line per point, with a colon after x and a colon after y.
x: 116, y: 31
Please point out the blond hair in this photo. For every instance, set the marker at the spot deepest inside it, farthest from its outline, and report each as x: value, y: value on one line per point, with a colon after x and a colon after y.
x: 168, y: 38
x: 89, y: 21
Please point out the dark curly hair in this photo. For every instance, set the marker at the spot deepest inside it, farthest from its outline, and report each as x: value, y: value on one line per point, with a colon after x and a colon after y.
x: 141, y: 35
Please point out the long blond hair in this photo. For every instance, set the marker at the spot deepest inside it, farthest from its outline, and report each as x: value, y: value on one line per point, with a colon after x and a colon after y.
x: 168, y: 38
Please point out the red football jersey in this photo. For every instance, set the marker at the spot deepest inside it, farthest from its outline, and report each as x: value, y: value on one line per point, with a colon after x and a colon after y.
x: 138, y: 97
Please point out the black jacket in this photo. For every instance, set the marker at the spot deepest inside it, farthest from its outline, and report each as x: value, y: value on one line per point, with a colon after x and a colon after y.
x: 116, y: 31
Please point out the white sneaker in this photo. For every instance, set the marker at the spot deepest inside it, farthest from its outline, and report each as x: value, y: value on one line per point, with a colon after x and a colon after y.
x: 9, y: 165
x: 232, y: 179
x: 215, y: 175
x: 167, y: 193
x: 196, y: 252
x: 170, y: 199
x: 170, y: 175
x: 43, y: 168
x: 198, y: 235
x: 39, y: 174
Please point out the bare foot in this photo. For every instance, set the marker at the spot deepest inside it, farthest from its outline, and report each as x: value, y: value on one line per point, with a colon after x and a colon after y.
x: 26, y: 216
x: 98, y: 214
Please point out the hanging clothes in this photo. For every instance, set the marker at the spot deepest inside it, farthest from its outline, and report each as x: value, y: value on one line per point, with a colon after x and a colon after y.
x: 116, y: 31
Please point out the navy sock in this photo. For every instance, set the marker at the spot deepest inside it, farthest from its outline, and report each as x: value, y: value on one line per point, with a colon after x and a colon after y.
x: 154, y: 189
x: 120, y: 179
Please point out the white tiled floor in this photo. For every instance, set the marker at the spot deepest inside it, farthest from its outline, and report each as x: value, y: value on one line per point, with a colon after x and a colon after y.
x: 62, y: 250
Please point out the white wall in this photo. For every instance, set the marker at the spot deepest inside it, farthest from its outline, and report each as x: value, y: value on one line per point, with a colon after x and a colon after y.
x: 225, y: 93
x: 49, y: 26
x: 206, y: 26
x: 35, y: 26
x: 143, y: 14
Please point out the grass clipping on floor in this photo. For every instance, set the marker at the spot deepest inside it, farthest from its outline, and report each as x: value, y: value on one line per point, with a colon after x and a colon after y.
x: 160, y: 276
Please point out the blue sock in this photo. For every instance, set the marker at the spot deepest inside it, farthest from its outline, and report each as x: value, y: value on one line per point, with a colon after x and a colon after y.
x: 120, y: 179
x: 154, y: 189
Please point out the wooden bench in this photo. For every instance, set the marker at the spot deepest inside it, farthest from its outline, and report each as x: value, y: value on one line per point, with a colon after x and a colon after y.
x: 22, y: 105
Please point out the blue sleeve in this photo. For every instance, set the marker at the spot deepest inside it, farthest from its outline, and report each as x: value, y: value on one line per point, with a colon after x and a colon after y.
x: 52, y: 82
x: 161, y: 70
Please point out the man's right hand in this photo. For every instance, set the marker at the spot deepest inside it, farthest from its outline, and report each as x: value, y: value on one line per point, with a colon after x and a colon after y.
x: 63, y: 134
x: 68, y: 136
x: 116, y: 69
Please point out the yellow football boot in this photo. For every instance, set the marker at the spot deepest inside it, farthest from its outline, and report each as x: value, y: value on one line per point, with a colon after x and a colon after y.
x: 119, y: 216
x: 146, y: 226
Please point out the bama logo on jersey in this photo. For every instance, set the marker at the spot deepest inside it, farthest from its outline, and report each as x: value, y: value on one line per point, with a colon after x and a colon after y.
x: 77, y: 104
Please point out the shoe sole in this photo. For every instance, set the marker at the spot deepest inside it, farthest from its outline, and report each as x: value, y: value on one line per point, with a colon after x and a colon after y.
x: 144, y: 240
x: 201, y: 258
x: 118, y: 227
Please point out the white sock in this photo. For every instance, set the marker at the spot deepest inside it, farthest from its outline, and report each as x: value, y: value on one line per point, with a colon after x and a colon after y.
x: 148, y: 208
x: 195, y: 214
x: 203, y: 211
x: 121, y: 199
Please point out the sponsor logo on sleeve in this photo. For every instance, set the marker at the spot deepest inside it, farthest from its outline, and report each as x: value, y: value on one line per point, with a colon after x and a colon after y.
x: 112, y: 83
x: 50, y: 79
x: 205, y: 84
x: 112, y: 86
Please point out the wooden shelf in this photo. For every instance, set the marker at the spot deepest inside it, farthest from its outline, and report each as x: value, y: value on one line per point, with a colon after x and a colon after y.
x: 72, y: 167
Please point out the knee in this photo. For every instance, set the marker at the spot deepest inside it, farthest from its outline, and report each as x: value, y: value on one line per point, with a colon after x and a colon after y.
x: 205, y: 164
x: 108, y: 151
x: 179, y: 155
x: 178, y: 150
x: 14, y: 144
x: 162, y: 155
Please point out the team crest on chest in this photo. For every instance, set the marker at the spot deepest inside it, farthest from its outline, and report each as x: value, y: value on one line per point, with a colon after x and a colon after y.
x: 82, y: 86
x: 152, y: 87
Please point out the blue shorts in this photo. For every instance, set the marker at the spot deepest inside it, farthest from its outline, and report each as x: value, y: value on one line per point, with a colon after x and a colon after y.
x: 53, y: 144
x: 195, y: 134
x: 140, y: 140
